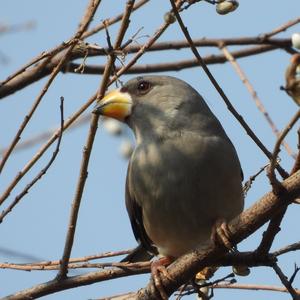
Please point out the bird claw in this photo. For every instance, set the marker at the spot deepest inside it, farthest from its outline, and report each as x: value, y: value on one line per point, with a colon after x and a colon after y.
x: 158, y: 269
x: 221, y: 233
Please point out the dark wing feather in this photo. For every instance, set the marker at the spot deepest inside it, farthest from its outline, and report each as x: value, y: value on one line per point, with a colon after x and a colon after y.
x: 136, y: 218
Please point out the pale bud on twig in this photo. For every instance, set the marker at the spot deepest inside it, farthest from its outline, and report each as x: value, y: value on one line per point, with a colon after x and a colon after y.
x: 226, y: 7
x: 296, y: 40
x: 112, y: 126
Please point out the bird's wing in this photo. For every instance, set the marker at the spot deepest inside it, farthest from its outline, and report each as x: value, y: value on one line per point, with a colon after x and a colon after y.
x: 138, y: 254
x: 136, y: 218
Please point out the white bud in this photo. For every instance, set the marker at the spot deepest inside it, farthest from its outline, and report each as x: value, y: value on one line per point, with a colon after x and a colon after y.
x: 126, y: 148
x: 204, y: 290
x: 296, y: 40
x: 226, y: 7
x: 112, y: 126
x: 241, y: 270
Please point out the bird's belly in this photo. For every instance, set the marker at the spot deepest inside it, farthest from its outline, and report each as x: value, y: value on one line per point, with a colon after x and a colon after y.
x: 181, y: 198
x: 175, y: 229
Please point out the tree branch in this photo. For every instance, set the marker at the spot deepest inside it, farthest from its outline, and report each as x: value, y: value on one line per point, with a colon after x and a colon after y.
x: 184, y: 268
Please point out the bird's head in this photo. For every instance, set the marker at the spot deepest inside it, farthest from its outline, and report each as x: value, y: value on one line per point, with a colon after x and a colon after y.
x: 154, y: 104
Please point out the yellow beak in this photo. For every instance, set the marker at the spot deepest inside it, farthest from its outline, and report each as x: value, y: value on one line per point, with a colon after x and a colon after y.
x: 115, y: 104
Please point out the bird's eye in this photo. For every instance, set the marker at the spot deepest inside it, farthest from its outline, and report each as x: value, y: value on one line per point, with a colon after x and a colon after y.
x: 143, y: 87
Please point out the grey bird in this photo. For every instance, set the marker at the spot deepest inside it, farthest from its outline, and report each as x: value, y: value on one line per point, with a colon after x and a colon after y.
x: 184, y: 174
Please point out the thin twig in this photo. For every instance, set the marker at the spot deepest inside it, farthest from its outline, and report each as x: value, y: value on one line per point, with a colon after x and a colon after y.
x: 88, y: 147
x: 285, y: 281
x: 45, y: 68
x: 73, y: 41
x: 83, y: 108
x: 281, y: 28
x: 28, y: 116
x: 112, y: 21
x: 270, y: 233
x: 82, y: 27
x: 254, y: 95
x: 273, y: 160
x: 274, y: 225
x: 252, y: 287
x: 286, y: 249
x: 251, y: 179
x: 84, y: 265
x: 43, y: 171
x: 176, y: 65
x: 54, y: 286
x: 221, y: 92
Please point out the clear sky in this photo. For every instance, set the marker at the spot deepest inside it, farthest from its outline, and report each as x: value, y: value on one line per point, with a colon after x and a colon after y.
x: 37, y: 226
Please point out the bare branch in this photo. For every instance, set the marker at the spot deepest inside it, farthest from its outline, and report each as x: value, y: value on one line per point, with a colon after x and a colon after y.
x: 87, y: 149
x: 43, y: 171
x: 173, y: 66
x: 273, y: 160
x: 221, y: 92
x: 82, y: 27
x: 252, y: 287
x: 255, y: 97
x: 281, y: 28
x: 285, y: 281
x: 74, y: 117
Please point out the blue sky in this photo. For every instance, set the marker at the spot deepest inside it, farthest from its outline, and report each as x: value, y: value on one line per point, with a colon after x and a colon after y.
x: 37, y: 226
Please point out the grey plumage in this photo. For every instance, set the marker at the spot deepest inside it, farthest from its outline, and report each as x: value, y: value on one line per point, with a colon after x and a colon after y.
x: 184, y: 173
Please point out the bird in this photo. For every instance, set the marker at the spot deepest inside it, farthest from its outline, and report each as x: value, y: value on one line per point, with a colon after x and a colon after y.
x: 184, y: 175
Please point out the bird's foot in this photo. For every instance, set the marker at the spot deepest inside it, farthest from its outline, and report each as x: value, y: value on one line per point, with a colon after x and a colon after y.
x: 221, y: 233
x: 158, y: 269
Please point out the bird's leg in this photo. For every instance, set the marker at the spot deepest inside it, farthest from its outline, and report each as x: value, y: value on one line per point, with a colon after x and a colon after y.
x: 158, y: 268
x: 221, y: 232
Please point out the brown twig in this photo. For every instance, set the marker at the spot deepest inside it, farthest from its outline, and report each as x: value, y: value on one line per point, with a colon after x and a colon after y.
x: 231, y: 58
x: 273, y: 160
x: 82, y: 27
x: 281, y: 28
x: 42, y: 172
x: 54, y: 286
x: 285, y: 281
x: 251, y: 179
x: 221, y: 92
x: 286, y: 249
x: 38, y: 71
x: 88, y: 147
x: 33, y: 109
x: 252, y: 287
x: 274, y: 225
x: 84, y: 265
x: 73, y: 41
x: 113, y: 20
x: 82, y: 109
x: 174, y: 66
x: 54, y: 263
